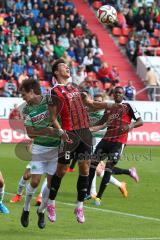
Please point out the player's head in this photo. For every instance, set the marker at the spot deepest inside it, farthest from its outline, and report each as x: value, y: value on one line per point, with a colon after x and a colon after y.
x: 60, y: 70
x: 29, y: 89
x: 118, y: 94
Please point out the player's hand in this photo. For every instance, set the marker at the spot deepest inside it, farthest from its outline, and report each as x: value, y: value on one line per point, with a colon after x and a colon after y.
x: 66, y: 138
x: 124, y: 129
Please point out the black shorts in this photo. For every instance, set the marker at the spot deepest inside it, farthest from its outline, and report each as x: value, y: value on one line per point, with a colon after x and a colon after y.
x: 80, y: 149
x: 111, y: 151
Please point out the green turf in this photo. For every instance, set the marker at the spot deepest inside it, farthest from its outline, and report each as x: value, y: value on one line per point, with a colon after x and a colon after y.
x: 143, y: 200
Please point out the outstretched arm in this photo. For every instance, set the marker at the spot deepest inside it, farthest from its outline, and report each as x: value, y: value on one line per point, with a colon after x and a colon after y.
x: 94, y: 105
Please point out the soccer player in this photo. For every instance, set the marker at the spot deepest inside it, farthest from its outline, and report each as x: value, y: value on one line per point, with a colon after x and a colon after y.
x: 44, y: 148
x: 3, y: 208
x: 119, y: 123
x: 66, y: 101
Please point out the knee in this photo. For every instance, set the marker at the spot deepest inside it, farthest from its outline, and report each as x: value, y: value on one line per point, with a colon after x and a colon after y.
x: 62, y: 171
x: 35, y: 183
x: 26, y: 176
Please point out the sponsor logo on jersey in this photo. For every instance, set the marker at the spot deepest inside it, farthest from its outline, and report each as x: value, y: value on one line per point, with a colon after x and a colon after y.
x: 40, y: 117
x: 74, y: 94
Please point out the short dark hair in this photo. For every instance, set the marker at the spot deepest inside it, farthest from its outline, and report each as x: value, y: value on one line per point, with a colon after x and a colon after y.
x: 55, y: 65
x: 31, y: 84
x: 118, y: 87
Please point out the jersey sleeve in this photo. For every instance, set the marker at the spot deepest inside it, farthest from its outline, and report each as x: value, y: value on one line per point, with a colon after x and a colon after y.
x: 133, y: 112
x: 52, y: 97
x: 26, y: 118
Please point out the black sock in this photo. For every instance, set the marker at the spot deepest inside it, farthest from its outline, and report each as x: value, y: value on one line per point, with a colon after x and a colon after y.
x: 73, y: 163
x: 82, y: 185
x: 90, y: 179
x: 104, y: 182
x: 118, y: 171
x: 55, y: 184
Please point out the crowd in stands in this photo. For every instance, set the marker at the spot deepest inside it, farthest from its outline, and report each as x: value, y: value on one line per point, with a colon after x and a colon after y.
x: 34, y: 33
x: 142, y: 20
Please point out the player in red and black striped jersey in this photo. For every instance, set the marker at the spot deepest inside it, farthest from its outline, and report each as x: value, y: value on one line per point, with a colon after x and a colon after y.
x: 67, y: 102
x: 119, y: 122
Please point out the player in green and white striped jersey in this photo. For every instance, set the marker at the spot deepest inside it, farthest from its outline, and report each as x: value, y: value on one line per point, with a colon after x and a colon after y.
x: 44, y: 148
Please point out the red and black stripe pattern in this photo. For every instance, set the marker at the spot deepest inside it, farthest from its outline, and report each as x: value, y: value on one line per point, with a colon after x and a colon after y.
x: 72, y: 111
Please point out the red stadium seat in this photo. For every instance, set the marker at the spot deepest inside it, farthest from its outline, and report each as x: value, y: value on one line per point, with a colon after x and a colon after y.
x: 45, y: 84
x: 153, y: 42
x: 158, y: 52
x: 116, y: 31
x: 126, y: 31
x: 97, y: 4
x: 123, y: 40
x: 2, y: 83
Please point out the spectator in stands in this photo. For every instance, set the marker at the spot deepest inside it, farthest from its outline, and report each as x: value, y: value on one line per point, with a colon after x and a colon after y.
x: 64, y: 41
x: 151, y: 82
x: 33, y: 38
x: 96, y: 62
x: 71, y: 53
x: 8, y: 69
x: 78, y: 31
x: 67, y: 58
x: 88, y: 62
x: 129, y: 91
x: 30, y: 68
x: 96, y: 89
x: 80, y: 75
x: 10, y: 88
x: 144, y: 39
x: 80, y: 52
x: 103, y: 74
x: 130, y: 18
x: 114, y: 75
x: 87, y: 87
x: 131, y: 48
x: 59, y: 50
x: 18, y: 68
x: 121, y: 20
x: 23, y: 76
x: 2, y: 63
x: 48, y: 47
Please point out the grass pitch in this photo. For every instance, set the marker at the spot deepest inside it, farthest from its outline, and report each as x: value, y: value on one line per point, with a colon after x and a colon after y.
x: 137, y: 217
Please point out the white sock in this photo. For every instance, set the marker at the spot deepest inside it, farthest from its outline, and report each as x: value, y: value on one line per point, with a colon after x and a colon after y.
x: 93, y: 186
x: 114, y: 181
x: 51, y: 202
x: 1, y: 194
x: 79, y: 204
x: 29, y: 194
x: 44, y: 184
x: 21, y: 185
x: 45, y: 195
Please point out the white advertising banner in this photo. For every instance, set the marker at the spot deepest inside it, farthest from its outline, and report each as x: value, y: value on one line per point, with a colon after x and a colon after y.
x: 149, y: 111
x: 7, y: 104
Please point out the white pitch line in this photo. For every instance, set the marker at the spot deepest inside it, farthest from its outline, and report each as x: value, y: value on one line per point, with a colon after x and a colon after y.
x: 116, y: 212
x: 147, y: 238
x: 109, y: 211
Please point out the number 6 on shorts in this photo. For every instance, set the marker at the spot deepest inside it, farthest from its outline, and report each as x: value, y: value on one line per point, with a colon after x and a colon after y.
x: 67, y: 155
